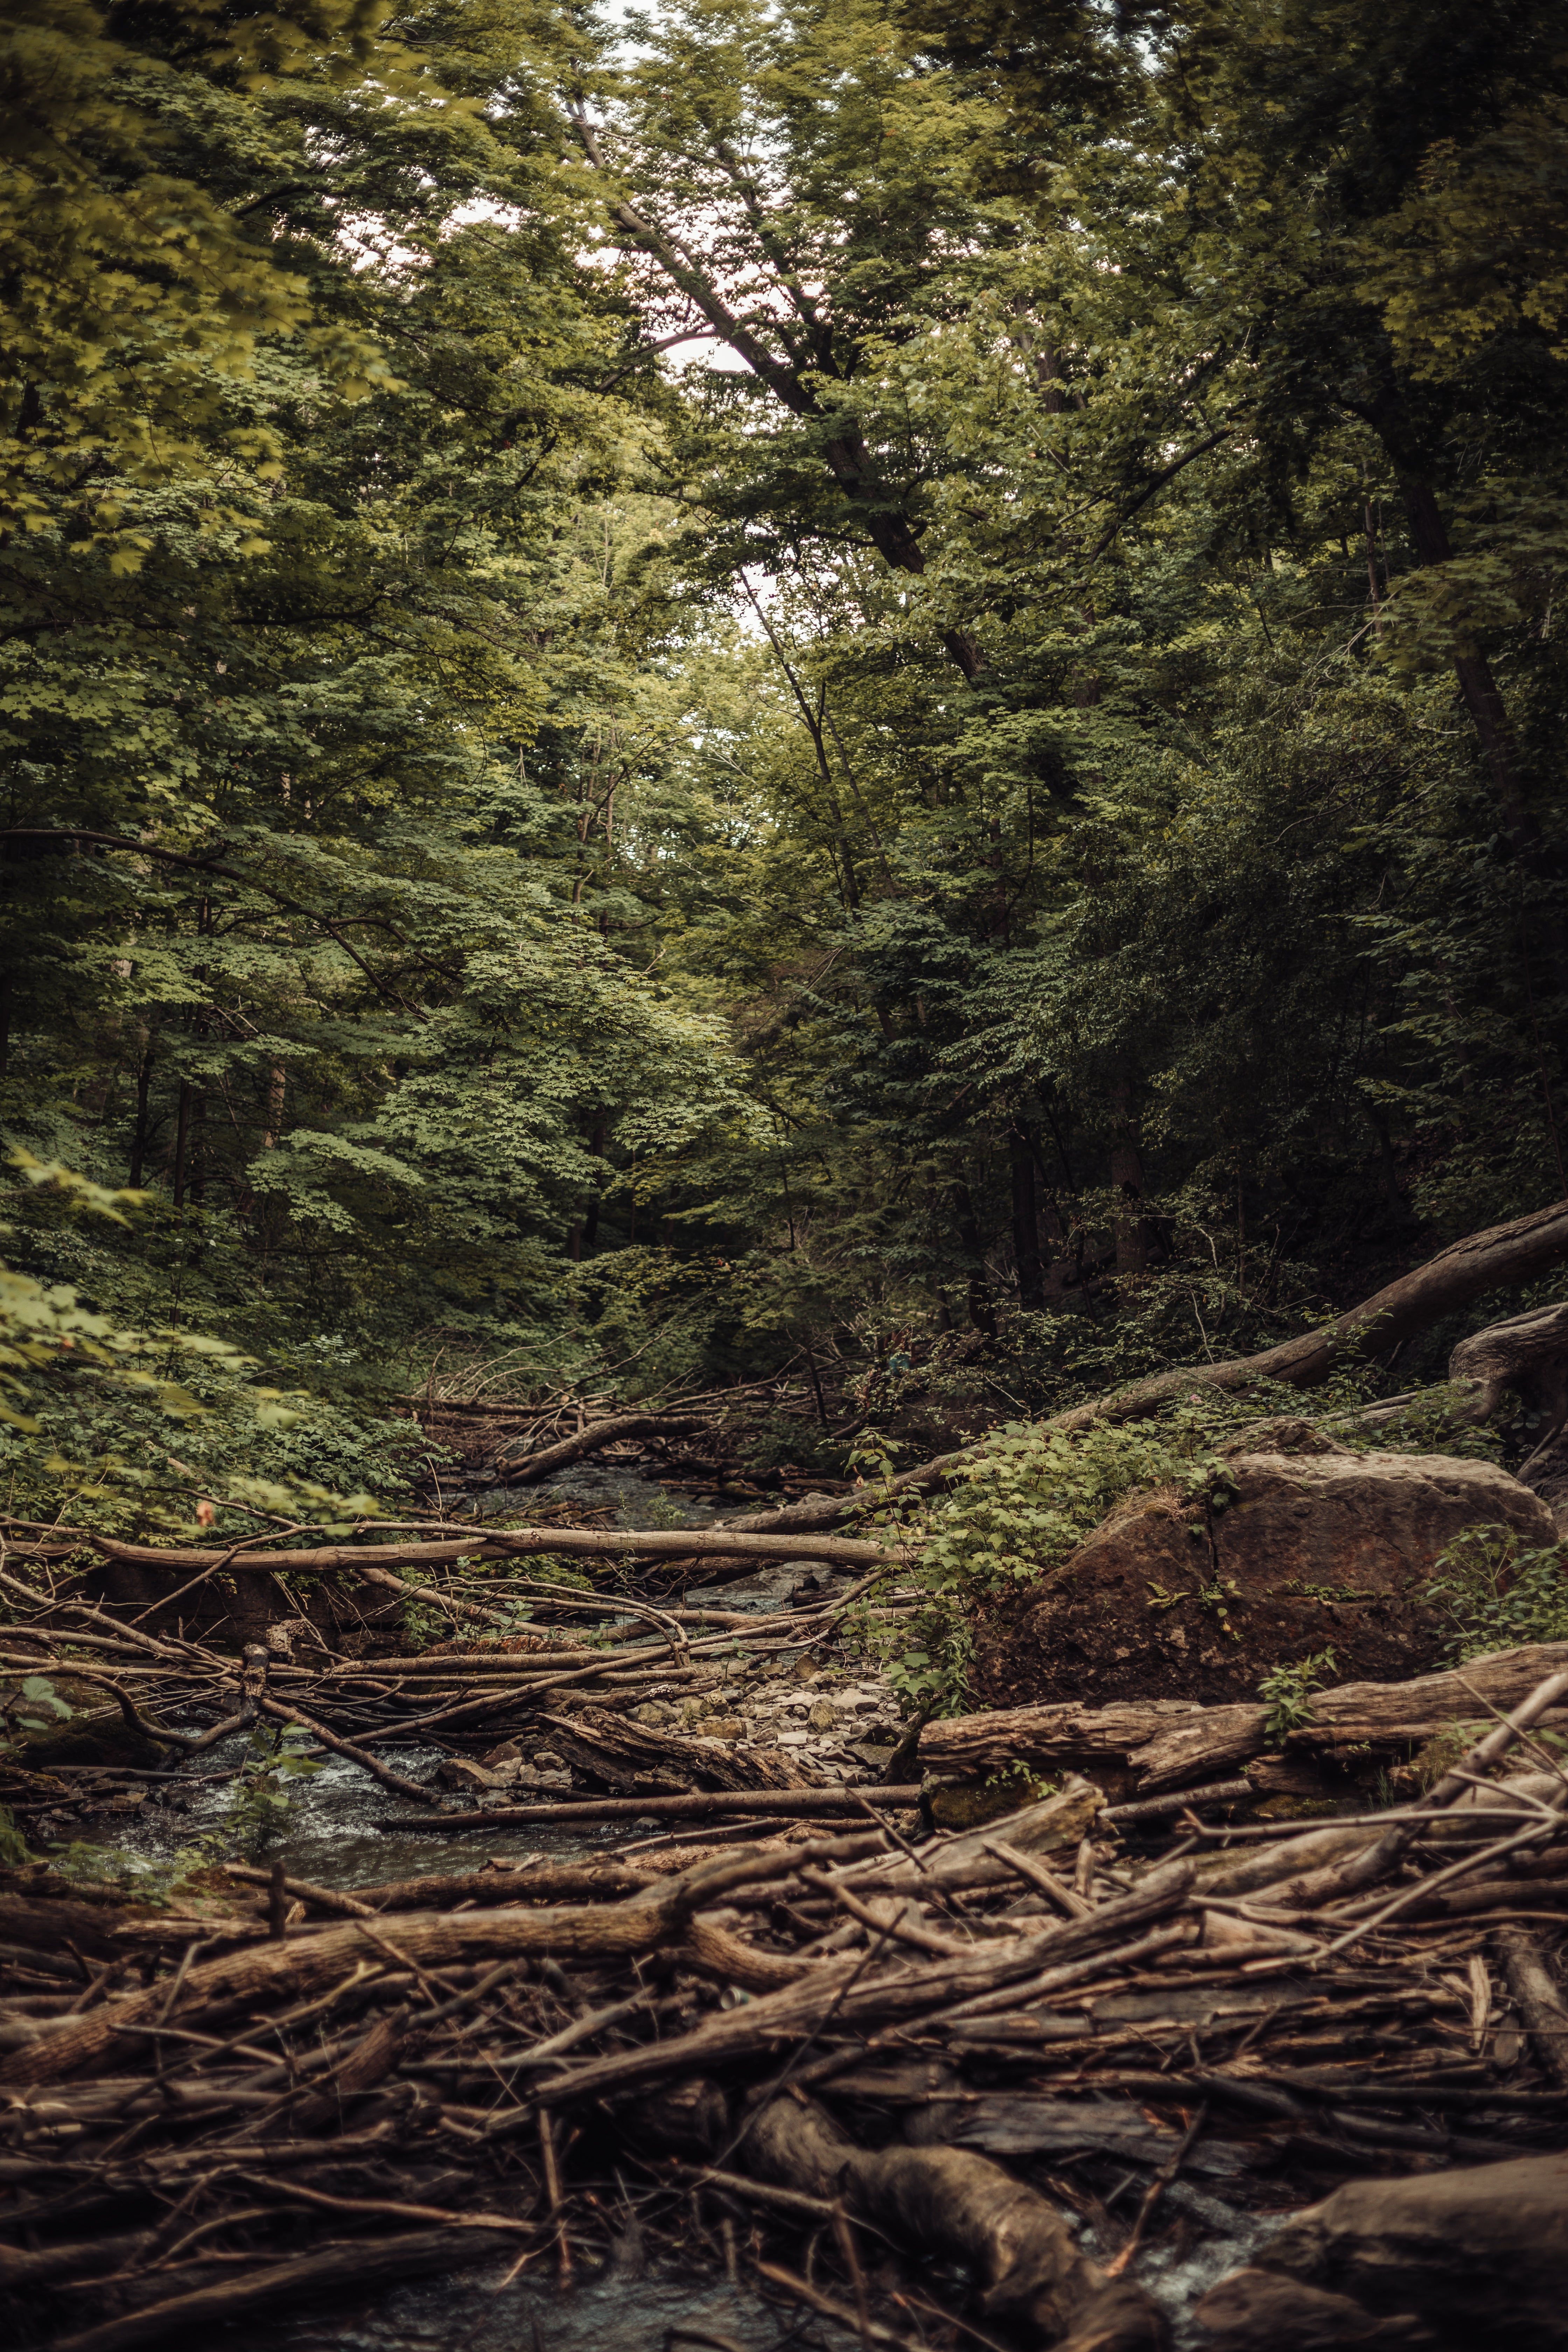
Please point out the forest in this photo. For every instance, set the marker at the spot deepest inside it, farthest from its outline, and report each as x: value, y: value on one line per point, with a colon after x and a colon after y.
x: 861, y: 692
x: 784, y: 998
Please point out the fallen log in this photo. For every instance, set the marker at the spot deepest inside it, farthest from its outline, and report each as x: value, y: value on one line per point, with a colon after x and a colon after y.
x: 834, y: 1992
x: 597, y: 1434
x: 357, y: 2265
x: 392, y: 2075
x: 1540, y: 2001
x: 794, y: 1804
x: 1168, y: 1742
x: 950, y: 2202
x: 302, y: 1967
x: 493, y: 1544
x: 1499, y: 1258
x: 627, y: 1756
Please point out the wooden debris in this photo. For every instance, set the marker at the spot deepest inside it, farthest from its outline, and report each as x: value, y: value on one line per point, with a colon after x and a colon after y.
x: 237, y: 2114
x: 1167, y: 1743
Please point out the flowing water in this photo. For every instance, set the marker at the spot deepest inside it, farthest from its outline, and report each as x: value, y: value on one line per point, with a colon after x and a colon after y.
x: 480, y: 2311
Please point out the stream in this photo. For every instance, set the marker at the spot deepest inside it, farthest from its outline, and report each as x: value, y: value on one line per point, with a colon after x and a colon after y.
x: 331, y: 1838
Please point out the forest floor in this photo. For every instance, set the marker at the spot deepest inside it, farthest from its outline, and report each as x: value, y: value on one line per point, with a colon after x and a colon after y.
x: 643, y: 1961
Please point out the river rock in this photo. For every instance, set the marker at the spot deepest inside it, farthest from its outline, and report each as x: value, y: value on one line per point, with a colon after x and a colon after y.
x: 1315, y: 1549
x: 1477, y: 2258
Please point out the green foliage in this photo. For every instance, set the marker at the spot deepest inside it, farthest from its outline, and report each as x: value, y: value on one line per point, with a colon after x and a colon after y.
x: 34, y: 1705
x: 1028, y: 1496
x: 1496, y: 1594
x: 1287, y: 1693
x: 85, y: 1432
x: 1008, y: 838
x: 260, y: 1811
x: 930, y: 1674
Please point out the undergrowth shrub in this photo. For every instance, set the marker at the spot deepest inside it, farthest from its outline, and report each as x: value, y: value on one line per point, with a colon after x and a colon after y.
x: 1495, y: 1595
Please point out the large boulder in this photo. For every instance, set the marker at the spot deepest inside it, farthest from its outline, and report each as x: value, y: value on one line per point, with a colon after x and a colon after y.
x: 1318, y: 1549
x: 1475, y: 2258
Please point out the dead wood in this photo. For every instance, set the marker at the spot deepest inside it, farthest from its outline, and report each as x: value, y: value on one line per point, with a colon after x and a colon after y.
x: 913, y: 2033
x: 805, y: 1804
x: 492, y: 1543
x: 1016, y: 2243
x: 845, y: 1990
x: 1499, y: 1258
x: 1540, y: 2002
x: 548, y: 1882
x: 632, y: 1757
x: 398, y: 1781
x: 517, y: 1471
x: 1170, y: 1741
x: 304, y: 1966
x: 972, y: 1860
x: 361, y: 2263
x: 370, y: 2061
x: 1528, y: 1354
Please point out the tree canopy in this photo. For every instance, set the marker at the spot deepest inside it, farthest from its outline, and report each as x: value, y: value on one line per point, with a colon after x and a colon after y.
x: 875, y: 685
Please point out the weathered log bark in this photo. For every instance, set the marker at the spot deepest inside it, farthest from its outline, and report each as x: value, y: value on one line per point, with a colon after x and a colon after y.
x: 973, y: 1861
x: 514, y: 1543
x: 1171, y: 1741
x: 627, y: 1756
x: 1529, y: 1355
x: 786, y: 1804
x: 949, y: 2202
x: 655, y: 1915
x: 1394, y: 1711
x: 1540, y: 2002
x: 357, y: 2265
x: 1168, y: 1740
x: 1482, y: 2251
x: 1496, y: 1259
x: 548, y: 1882
x: 597, y: 1435
x: 843, y: 1990
x: 373, y: 2057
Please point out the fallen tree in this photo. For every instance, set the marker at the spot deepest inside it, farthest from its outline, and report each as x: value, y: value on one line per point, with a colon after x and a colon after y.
x: 1498, y: 1259
x: 1171, y: 1743
x: 497, y: 1544
x: 592, y: 1439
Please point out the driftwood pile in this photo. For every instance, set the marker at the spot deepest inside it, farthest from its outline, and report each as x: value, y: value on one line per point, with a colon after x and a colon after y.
x: 840, y: 2066
x: 584, y: 1653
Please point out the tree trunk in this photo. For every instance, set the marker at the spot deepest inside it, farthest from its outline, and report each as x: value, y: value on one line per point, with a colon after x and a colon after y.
x: 1133, y: 1233
x: 181, y: 1141
x: 139, y: 1137
x: 1429, y: 537
x: 1026, y: 1225
x: 277, y: 1084
x: 590, y: 1222
x: 982, y: 1312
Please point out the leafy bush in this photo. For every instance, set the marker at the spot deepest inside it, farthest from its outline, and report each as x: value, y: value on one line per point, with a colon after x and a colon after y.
x: 1026, y: 1500
x: 1286, y: 1691
x: 1495, y: 1595
x: 88, y: 1396
x: 1029, y: 1495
